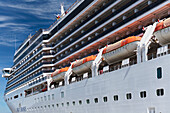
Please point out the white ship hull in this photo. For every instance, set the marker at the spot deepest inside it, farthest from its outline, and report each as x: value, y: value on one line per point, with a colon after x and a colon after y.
x: 132, y: 79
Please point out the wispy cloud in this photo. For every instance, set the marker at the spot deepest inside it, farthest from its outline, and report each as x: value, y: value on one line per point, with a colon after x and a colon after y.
x: 12, y: 24
x: 5, y: 18
x: 8, y: 41
x: 43, y: 10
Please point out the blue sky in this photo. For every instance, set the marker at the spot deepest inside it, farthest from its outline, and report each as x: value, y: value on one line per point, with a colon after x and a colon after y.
x: 18, y: 19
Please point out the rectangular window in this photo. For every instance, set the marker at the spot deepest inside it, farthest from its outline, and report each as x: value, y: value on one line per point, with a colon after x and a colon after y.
x: 96, y: 100
x: 159, y: 72
x: 105, y: 99
x: 80, y: 102
x: 57, y: 105
x: 62, y: 94
x: 87, y: 101
x: 128, y: 96
x: 115, y: 97
x: 45, y: 98
x: 48, y: 97
x: 74, y: 103
x: 67, y: 103
x: 160, y: 92
x: 41, y: 98
x: 52, y: 96
x: 62, y: 104
x: 143, y: 94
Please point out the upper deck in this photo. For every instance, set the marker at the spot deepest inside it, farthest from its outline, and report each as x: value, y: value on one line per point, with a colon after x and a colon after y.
x: 81, y: 32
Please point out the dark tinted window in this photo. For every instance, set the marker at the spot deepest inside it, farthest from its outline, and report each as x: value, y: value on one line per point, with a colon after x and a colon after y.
x: 128, y: 96
x: 115, y: 97
x: 160, y: 92
x: 159, y: 73
x: 143, y: 94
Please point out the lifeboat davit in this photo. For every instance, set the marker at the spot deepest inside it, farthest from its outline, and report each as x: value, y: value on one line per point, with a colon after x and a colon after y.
x: 121, y: 50
x: 84, y: 65
x: 162, y: 31
x: 59, y: 74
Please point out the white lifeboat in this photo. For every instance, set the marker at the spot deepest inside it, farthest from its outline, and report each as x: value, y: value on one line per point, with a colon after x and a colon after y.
x: 162, y: 31
x: 7, y: 72
x: 83, y: 65
x: 59, y: 74
x: 121, y: 50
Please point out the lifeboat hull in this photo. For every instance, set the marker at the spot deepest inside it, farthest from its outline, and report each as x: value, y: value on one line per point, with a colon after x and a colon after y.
x: 121, y: 53
x: 163, y: 35
x: 83, y: 68
x: 59, y: 77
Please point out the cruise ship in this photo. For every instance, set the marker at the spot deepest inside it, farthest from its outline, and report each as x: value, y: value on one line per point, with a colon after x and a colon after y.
x: 99, y: 56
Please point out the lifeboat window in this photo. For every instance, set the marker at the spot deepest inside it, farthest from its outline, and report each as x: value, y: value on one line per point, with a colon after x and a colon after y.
x: 160, y: 92
x: 105, y: 99
x: 62, y: 94
x: 143, y: 94
x: 52, y: 96
x: 67, y: 103
x: 80, y: 102
x: 128, y: 96
x: 88, y: 101
x: 96, y: 100
x: 159, y: 72
x: 74, y: 103
x: 115, y: 97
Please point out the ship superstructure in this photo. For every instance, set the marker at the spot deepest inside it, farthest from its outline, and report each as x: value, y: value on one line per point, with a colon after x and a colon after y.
x: 54, y: 70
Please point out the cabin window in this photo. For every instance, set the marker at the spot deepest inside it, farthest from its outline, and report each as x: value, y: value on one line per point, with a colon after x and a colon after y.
x: 62, y: 104
x: 62, y: 94
x: 48, y: 97
x: 52, y: 105
x: 128, y: 96
x: 52, y: 96
x: 74, y: 103
x: 45, y: 98
x: 159, y: 72
x: 57, y: 105
x: 143, y: 94
x: 105, y: 99
x: 80, y: 102
x: 160, y: 92
x: 16, y: 96
x: 67, y: 103
x: 87, y: 101
x: 41, y: 98
x: 96, y: 100
x: 115, y: 97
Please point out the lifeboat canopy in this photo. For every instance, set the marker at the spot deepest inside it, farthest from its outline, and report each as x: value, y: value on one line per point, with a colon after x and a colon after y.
x: 162, y: 32
x: 83, y: 65
x: 121, y: 49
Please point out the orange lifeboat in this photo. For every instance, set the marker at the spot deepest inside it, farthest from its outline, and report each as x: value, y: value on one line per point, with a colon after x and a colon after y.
x: 162, y: 31
x: 83, y: 65
x: 121, y: 49
x: 59, y: 74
